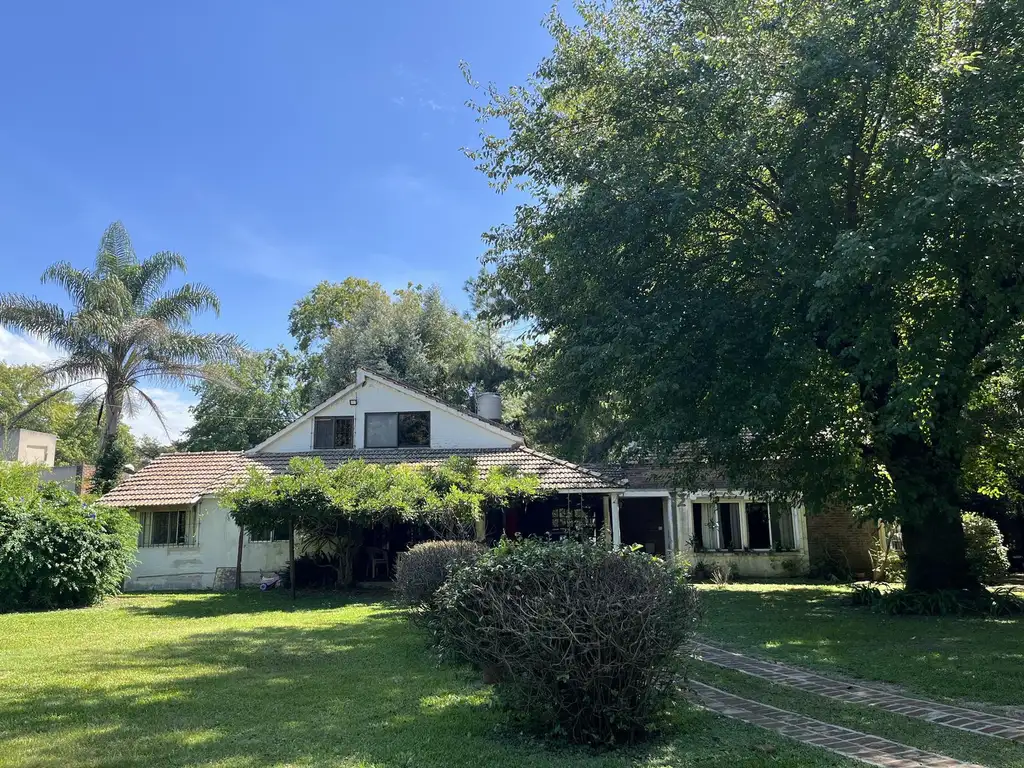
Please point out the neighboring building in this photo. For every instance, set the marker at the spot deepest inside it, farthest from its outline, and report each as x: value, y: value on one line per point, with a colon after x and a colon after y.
x: 189, y: 541
x: 28, y: 446
x: 74, y: 477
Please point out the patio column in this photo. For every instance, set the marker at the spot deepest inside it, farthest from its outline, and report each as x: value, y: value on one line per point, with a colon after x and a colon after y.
x: 616, y: 532
x: 684, y: 523
x: 669, y: 524
x: 606, y: 527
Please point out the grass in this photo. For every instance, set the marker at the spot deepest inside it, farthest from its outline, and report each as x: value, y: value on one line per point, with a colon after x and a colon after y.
x: 968, y: 659
x: 981, y: 750
x: 248, y: 680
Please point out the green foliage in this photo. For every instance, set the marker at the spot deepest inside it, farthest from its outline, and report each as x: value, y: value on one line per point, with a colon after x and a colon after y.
x: 790, y: 231
x: 111, y: 462
x: 74, y: 423
x: 987, y: 555
x: 945, y: 602
x: 329, y: 306
x: 582, y: 641
x: 57, y: 551
x: 425, y: 567
x: 249, y: 401
x: 331, y: 507
x: 124, y: 328
x: 413, y: 335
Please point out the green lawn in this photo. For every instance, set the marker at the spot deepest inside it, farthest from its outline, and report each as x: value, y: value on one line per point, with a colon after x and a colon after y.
x: 971, y: 659
x: 248, y: 680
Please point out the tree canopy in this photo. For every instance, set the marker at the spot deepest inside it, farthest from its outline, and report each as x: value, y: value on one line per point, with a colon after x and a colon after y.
x: 414, y: 335
x: 62, y: 415
x: 788, y: 233
x: 124, y: 329
x: 245, y: 404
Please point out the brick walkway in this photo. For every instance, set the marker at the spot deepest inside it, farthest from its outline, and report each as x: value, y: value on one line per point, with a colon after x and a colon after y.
x: 843, y: 741
x: 942, y: 714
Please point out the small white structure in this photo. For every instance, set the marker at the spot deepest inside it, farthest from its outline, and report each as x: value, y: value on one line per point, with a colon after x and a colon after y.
x: 28, y: 446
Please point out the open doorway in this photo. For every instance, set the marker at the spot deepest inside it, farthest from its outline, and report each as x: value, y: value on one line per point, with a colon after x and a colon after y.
x: 642, y: 521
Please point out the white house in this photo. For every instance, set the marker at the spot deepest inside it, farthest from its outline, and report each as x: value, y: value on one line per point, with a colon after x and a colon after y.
x: 189, y: 541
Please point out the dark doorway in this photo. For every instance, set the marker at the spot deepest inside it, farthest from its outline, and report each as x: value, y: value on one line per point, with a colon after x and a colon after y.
x: 641, y: 521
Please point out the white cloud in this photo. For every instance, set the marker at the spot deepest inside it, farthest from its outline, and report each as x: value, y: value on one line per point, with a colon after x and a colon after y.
x: 172, y: 405
x: 25, y: 350
x: 31, y: 350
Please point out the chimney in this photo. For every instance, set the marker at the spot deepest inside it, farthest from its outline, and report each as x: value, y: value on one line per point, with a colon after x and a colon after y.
x: 488, y: 405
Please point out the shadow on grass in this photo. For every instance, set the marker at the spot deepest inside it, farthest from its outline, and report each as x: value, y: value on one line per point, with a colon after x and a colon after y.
x: 360, y: 690
x: 250, y: 600
x: 975, y: 658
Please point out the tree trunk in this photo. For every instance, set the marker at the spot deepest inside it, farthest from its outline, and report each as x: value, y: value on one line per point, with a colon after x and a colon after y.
x: 928, y: 497
x: 935, y: 554
x: 113, y: 404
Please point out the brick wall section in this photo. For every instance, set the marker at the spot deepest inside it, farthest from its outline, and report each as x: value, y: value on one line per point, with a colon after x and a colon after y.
x: 88, y: 473
x: 834, y: 530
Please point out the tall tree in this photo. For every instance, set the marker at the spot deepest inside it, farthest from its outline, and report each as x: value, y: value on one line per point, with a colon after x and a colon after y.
x: 123, y: 330
x: 413, y: 334
x: 790, y: 231
x: 256, y: 398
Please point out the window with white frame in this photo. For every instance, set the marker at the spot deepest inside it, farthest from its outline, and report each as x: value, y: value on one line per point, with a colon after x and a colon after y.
x: 168, y: 527
x: 742, y: 524
x: 278, y: 532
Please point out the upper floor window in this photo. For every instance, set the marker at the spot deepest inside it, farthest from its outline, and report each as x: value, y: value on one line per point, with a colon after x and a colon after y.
x: 398, y: 430
x: 333, y: 432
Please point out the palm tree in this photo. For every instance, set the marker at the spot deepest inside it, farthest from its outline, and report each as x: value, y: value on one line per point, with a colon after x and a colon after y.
x: 124, y: 329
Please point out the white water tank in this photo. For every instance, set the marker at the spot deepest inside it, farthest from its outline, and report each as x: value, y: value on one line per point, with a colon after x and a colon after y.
x: 488, y: 405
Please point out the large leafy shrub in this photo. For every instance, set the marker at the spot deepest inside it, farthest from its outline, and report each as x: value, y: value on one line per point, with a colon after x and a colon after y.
x: 425, y: 567
x: 987, y: 555
x: 580, y: 640
x: 57, y: 551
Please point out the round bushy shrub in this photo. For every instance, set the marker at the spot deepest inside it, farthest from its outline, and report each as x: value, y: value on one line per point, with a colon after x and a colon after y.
x: 58, y: 552
x: 426, y: 566
x: 582, y: 641
x: 986, y: 554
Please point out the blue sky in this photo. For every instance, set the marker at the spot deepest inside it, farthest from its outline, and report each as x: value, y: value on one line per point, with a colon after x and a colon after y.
x: 272, y: 144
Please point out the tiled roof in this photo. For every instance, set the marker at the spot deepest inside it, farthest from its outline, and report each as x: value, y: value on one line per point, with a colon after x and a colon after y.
x: 180, y: 478
x: 658, y: 476
x: 173, y: 479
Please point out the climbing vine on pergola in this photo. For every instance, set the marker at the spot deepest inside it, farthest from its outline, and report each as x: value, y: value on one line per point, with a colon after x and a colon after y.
x: 331, y: 508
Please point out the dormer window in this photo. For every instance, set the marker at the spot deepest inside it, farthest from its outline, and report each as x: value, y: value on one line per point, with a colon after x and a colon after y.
x: 333, y: 432
x: 398, y: 430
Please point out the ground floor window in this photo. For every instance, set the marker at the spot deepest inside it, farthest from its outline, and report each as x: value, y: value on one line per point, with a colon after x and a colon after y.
x: 168, y: 527
x: 276, y: 533
x: 742, y: 524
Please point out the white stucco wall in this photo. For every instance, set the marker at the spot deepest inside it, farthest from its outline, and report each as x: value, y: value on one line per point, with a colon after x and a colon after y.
x: 167, y: 568
x: 28, y: 446
x: 447, y: 429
